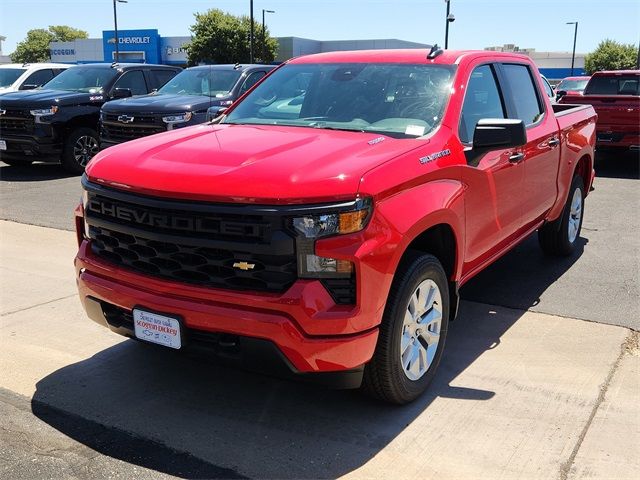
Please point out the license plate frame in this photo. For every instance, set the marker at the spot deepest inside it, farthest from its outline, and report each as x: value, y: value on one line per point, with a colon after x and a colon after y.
x: 159, y: 328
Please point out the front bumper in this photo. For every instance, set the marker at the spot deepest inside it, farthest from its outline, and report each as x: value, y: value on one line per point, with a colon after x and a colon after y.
x: 276, y: 318
x: 41, y: 148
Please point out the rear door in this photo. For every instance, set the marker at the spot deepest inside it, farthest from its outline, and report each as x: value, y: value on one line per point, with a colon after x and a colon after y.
x: 541, y: 154
x: 493, y: 211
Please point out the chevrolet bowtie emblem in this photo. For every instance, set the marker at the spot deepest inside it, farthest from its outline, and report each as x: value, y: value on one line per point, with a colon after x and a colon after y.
x: 244, y: 265
x: 2, y: 112
x: 125, y: 119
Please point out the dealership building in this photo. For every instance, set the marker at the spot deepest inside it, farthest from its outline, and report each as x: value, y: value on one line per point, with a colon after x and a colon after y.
x: 149, y: 47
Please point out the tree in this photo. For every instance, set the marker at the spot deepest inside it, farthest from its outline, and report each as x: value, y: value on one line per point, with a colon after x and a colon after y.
x: 611, y: 55
x: 220, y: 37
x: 35, y: 48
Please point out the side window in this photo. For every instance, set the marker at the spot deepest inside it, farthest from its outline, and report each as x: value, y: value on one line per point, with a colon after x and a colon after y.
x: 160, y: 77
x: 547, y: 88
x: 528, y: 108
x: 134, y: 81
x: 251, y: 80
x: 39, y: 78
x: 482, y: 100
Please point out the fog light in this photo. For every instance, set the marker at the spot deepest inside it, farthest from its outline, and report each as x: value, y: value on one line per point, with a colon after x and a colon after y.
x: 316, y: 266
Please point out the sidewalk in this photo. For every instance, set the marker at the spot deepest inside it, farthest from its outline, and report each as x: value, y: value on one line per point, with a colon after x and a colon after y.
x: 518, y: 395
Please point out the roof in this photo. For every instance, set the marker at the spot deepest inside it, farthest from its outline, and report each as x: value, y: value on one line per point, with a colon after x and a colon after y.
x: 123, y: 66
x: 31, y: 65
x: 618, y: 72
x: 229, y: 66
x: 411, y: 55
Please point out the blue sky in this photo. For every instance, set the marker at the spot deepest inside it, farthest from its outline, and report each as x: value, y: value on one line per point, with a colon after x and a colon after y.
x: 539, y: 24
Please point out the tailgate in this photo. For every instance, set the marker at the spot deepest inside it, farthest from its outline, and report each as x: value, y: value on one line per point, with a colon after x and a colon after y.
x: 616, y: 109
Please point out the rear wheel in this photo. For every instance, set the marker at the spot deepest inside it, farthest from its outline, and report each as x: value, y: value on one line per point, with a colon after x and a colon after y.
x: 560, y: 236
x: 80, y: 147
x: 412, y: 333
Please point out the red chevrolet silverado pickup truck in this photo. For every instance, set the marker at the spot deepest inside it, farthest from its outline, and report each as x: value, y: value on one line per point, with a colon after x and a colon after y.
x: 324, y: 224
x: 615, y: 96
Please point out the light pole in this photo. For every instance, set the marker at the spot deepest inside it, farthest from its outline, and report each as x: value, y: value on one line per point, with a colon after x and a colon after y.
x: 449, y: 18
x: 251, y: 32
x: 575, y: 36
x: 264, y: 34
x: 115, y: 24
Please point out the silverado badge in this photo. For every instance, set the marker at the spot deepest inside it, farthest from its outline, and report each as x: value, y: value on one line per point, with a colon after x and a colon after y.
x: 244, y: 266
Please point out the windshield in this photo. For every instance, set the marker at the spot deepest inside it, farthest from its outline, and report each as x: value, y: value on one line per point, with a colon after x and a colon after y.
x: 400, y: 100
x: 613, y: 85
x: 10, y: 75
x: 82, y: 79
x: 573, y: 85
x: 209, y: 82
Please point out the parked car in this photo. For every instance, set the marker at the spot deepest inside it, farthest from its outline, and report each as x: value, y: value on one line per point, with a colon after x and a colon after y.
x: 573, y: 85
x: 27, y: 76
x: 615, y: 96
x: 59, y: 122
x: 183, y: 101
x: 324, y: 224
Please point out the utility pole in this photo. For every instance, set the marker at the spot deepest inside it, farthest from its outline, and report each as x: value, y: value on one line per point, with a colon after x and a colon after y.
x: 575, y: 36
x: 251, y: 32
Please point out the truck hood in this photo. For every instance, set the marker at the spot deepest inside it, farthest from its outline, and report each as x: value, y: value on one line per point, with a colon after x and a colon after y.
x: 247, y: 163
x: 46, y: 98
x: 161, y: 103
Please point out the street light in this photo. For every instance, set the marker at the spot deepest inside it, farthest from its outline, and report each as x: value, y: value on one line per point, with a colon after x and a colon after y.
x: 264, y: 34
x: 449, y: 19
x: 251, y: 32
x: 575, y: 36
x: 115, y: 24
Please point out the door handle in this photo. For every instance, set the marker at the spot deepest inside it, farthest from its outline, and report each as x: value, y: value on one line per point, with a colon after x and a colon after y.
x: 554, y: 142
x: 516, y: 157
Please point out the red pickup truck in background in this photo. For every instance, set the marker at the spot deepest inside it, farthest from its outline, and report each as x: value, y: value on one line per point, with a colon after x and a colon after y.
x: 615, y: 96
x: 324, y: 224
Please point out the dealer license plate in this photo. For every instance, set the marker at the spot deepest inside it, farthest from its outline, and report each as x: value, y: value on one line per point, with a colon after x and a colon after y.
x: 3, y: 145
x: 156, y: 328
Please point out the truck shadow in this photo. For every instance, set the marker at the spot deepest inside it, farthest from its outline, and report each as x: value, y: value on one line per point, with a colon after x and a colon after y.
x: 32, y: 173
x: 518, y: 279
x: 191, y: 418
x: 617, y: 164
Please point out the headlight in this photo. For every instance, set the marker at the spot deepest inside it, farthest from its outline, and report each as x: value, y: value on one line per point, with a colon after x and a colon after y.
x: 181, y: 118
x: 44, y: 111
x: 311, y: 227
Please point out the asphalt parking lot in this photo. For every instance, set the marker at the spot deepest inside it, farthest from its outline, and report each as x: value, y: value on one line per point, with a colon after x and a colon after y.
x: 527, y: 387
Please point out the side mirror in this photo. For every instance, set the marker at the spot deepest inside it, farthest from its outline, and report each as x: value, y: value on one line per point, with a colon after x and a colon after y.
x: 121, y: 93
x: 560, y: 94
x: 28, y: 86
x: 495, y: 134
x: 215, y: 112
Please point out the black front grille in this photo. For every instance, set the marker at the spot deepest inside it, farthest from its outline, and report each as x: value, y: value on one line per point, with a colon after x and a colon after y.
x: 113, y: 129
x: 192, y: 264
x: 16, y: 122
x: 192, y: 242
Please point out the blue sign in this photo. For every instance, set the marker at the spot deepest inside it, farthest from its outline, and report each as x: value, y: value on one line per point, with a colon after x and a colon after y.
x: 139, y: 46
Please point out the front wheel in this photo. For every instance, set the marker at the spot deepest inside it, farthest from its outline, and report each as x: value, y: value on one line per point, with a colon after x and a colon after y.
x: 560, y: 236
x: 412, y: 333
x: 80, y: 147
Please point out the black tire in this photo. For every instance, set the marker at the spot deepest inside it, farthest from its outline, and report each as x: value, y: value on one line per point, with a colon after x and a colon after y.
x: 554, y: 237
x: 384, y: 376
x: 80, y: 146
x: 16, y: 162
